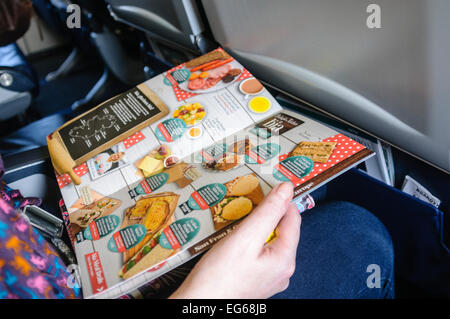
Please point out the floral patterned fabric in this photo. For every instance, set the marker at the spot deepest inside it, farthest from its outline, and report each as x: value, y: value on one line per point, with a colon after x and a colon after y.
x: 29, y: 267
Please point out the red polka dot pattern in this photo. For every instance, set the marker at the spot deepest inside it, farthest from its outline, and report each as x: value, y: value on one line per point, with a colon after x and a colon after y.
x: 245, y: 74
x: 133, y: 139
x: 345, y: 148
x: 64, y: 179
x: 179, y: 93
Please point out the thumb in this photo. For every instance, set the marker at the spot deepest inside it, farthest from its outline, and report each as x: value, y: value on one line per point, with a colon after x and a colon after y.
x: 288, y: 233
x: 262, y: 221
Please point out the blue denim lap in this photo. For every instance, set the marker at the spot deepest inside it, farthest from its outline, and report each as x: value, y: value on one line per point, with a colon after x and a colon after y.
x: 338, y: 242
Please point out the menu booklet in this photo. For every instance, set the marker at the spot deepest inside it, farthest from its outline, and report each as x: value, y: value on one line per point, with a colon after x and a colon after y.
x: 174, y: 188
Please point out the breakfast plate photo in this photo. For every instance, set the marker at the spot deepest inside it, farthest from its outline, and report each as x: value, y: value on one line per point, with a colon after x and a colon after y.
x: 210, y: 73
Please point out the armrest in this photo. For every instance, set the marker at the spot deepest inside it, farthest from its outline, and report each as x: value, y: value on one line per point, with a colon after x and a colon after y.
x: 32, y: 173
x: 27, y: 163
x: 14, y: 79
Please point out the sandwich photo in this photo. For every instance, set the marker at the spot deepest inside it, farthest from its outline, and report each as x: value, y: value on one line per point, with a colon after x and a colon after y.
x: 148, y: 255
x: 241, y: 147
x: 87, y: 214
x: 244, y: 193
x: 224, y: 163
x: 154, y: 212
x: 232, y: 208
x: 83, y: 217
x: 318, y: 152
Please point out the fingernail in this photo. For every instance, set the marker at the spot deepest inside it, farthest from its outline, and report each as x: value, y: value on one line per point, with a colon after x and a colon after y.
x: 285, y: 190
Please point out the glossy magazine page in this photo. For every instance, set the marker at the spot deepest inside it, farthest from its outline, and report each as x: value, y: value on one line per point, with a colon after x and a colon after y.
x: 176, y: 187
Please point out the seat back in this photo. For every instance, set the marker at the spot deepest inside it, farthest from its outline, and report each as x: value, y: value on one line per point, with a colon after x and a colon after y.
x: 391, y: 82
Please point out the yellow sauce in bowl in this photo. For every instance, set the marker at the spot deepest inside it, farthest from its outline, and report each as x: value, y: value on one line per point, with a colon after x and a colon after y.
x: 259, y: 104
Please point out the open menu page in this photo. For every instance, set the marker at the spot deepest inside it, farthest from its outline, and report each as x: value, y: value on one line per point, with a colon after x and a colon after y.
x: 176, y: 187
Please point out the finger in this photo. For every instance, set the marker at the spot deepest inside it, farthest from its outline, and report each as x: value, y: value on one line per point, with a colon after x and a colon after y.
x: 288, y: 234
x: 262, y: 221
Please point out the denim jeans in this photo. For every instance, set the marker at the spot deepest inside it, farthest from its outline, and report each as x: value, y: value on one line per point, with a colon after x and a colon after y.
x: 344, y: 252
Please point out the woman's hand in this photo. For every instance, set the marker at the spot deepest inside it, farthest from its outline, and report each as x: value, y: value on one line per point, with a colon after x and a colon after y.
x: 242, y: 265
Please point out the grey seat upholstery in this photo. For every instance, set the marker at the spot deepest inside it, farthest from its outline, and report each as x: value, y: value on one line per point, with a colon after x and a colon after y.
x: 391, y: 82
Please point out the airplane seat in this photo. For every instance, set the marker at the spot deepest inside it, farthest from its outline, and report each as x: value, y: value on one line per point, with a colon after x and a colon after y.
x: 32, y: 135
x: 18, y: 82
x: 100, y: 39
x: 55, y: 14
x: 116, y: 44
x: 173, y: 23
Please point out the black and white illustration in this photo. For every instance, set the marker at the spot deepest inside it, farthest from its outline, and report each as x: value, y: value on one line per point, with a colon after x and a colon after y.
x: 97, y: 125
